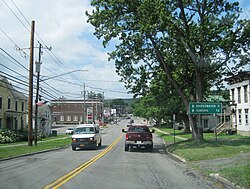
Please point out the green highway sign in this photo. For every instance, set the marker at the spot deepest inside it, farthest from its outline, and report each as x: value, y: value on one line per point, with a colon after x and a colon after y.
x: 205, y: 108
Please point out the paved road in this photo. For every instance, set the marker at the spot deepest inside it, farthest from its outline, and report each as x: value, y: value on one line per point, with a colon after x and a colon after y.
x: 115, y: 169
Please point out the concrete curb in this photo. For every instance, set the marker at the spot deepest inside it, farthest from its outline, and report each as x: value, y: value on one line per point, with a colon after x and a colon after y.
x: 218, y: 177
x: 176, y: 156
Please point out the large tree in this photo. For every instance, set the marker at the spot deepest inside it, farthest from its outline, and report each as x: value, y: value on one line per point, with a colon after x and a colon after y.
x: 185, y: 38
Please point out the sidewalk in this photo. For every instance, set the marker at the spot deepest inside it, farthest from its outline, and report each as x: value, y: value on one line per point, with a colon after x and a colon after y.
x: 169, y: 134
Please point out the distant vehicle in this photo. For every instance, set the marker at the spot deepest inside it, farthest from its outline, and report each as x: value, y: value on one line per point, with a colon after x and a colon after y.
x: 86, y: 136
x: 130, y: 122
x: 138, y: 136
x: 179, y: 126
x: 69, y: 131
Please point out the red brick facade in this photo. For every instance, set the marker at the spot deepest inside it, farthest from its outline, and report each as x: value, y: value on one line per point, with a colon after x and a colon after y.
x: 75, y: 111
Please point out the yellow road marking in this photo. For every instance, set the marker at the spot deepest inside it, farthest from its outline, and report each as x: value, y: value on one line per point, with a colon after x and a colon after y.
x: 79, y: 169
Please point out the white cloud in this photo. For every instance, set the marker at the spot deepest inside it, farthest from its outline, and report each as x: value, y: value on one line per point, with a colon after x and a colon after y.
x: 63, y: 26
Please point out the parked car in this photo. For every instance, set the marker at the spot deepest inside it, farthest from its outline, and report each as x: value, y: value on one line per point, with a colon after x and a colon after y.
x: 179, y: 126
x: 138, y: 136
x: 86, y: 136
x: 69, y: 131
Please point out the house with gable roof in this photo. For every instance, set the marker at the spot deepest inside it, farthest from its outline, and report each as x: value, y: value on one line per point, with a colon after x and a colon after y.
x: 13, y: 106
x: 239, y: 86
x: 44, y: 119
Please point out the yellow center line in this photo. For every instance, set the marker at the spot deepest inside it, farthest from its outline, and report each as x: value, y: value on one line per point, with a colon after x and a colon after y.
x: 79, y: 169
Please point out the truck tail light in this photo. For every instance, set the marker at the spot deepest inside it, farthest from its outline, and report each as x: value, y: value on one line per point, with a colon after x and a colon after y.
x: 127, y: 136
x: 74, y: 140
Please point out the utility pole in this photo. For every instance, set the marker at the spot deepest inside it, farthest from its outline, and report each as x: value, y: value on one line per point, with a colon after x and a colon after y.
x: 30, y: 109
x: 84, y: 105
x: 38, y: 66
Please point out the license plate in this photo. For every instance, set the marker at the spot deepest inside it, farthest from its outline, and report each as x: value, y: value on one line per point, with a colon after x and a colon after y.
x: 139, y: 142
x: 81, y: 145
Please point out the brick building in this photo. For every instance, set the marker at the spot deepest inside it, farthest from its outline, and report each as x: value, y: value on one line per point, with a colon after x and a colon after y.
x: 76, y: 111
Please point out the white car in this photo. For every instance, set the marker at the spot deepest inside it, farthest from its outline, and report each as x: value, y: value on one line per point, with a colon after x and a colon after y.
x: 69, y: 131
x: 86, y: 136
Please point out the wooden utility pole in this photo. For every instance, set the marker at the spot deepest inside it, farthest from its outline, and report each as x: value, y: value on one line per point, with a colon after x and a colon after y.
x: 84, y: 104
x: 30, y: 108
x: 38, y: 66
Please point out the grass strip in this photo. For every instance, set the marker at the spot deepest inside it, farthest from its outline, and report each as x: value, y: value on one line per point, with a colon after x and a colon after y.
x: 41, y: 146
x: 239, y: 175
x: 228, y: 155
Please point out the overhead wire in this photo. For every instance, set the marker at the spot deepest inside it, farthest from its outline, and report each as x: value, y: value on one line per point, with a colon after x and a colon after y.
x: 13, y: 59
x: 16, y: 15
x: 52, y: 55
x: 13, y: 71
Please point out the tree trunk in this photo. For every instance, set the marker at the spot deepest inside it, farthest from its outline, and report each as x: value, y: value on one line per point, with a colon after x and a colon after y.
x: 197, y: 133
x: 186, y: 122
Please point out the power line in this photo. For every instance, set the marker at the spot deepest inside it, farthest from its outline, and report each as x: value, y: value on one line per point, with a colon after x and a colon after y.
x: 13, y: 59
x: 22, y: 83
x: 13, y: 71
x: 17, y: 48
x: 15, y: 15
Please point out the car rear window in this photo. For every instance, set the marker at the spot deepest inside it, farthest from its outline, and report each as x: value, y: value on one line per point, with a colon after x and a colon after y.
x: 138, y: 129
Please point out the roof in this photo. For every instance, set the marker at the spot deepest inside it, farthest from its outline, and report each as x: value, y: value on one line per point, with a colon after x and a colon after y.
x: 15, y: 93
x: 241, y: 76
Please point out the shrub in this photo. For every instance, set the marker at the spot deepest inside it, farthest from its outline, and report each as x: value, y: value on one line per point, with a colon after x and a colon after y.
x: 7, y: 136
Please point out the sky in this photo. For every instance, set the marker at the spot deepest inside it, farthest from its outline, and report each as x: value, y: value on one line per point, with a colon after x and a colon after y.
x: 62, y: 25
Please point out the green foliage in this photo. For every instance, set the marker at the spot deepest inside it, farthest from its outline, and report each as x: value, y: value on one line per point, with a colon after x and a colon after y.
x: 9, y: 136
x: 191, y: 42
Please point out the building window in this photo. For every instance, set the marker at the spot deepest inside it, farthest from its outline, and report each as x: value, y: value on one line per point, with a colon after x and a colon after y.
x: 81, y: 118
x: 233, y: 99
x: 205, y: 122
x: 16, y: 123
x: 16, y: 105
x: 61, y: 118
x: 22, y: 123
x: 239, y: 111
x: 9, y: 103
x: 1, y: 102
x: 22, y: 106
x: 75, y: 118
x: 245, y: 94
x: 68, y: 118
x: 0, y: 123
x: 246, y: 116
x: 239, y: 95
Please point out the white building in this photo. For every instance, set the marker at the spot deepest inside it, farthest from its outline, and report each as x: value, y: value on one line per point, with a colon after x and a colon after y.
x: 239, y: 86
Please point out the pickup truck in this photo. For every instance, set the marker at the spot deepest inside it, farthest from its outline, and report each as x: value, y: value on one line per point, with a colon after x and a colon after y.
x: 138, y: 136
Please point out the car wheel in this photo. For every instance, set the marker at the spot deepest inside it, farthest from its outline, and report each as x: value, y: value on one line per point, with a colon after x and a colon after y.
x: 126, y: 147
x: 73, y: 148
x: 150, y: 148
x: 96, y: 145
x: 100, y: 144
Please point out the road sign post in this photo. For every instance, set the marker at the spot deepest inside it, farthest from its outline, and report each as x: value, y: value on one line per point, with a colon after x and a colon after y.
x: 205, y: 108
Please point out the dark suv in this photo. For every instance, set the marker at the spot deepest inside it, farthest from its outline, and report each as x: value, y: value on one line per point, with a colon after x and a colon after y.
x: 138, y: 136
